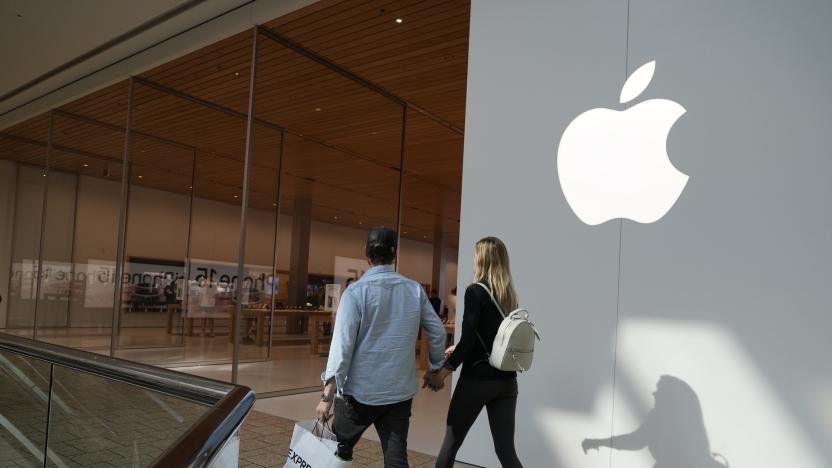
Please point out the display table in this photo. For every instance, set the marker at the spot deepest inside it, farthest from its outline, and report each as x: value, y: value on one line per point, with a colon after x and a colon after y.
x: 314, y: 318
x: 261, y: 316
x: 173, y: 309
x: 314, y: 321
x: 221, y: 312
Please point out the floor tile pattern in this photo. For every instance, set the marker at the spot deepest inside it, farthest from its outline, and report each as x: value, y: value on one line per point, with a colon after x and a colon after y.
x: 265, y: 442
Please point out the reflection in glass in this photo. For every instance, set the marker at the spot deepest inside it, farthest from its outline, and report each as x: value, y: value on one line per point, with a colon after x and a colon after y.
x: 104, y: 421
x: 339, y: 174
x: 25, y: 144
x: 24, y: 386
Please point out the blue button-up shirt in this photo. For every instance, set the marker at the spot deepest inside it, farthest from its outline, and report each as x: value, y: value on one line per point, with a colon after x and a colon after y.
x: 372, y: 353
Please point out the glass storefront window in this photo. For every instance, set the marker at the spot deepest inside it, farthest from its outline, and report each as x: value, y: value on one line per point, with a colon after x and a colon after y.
x: 26, y: 145
x: 325, y: 153
x: 81, y: 223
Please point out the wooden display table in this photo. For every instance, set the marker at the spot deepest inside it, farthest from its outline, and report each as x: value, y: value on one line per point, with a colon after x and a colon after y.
x: 261, y: 316
x: 188, y: 326
x: 172, y: 309
x: 314, y: 320
x: 207, y: 318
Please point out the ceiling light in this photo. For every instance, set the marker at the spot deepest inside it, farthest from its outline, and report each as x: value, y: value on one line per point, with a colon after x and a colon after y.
x: 335, y: 217
x: 405, y: 232
x: 274, y: 204
x: 86, y: 165
x: 236, y: 73
x: 318, y: 109
x: 140, y: 177
x: 236, y: 196
x: 399, y: 20
x: 190, y: 187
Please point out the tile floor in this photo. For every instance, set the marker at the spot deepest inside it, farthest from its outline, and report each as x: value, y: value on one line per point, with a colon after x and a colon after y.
x: 427, y: 425
x: 264, y: 442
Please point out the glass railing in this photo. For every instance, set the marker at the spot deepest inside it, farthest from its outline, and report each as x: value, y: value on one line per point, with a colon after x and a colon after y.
x: 61, y: 407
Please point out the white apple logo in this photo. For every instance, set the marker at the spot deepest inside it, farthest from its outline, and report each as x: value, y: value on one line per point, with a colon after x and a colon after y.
x: 614, y: 164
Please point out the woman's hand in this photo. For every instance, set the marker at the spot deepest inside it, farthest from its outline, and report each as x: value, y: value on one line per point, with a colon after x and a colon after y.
x: 449, y: 351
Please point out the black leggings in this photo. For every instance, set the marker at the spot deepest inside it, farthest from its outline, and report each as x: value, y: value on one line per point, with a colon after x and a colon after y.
x: 499, y: 397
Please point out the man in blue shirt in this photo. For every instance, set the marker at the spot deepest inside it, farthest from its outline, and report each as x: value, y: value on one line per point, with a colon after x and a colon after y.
x: 372, y: 364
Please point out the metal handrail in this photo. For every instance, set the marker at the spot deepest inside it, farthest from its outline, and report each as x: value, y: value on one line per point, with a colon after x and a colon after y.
x: 201, y: 442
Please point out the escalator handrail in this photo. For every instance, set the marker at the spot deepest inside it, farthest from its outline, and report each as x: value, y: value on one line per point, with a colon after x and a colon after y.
x: 198, y: 446
x: 200, y: 443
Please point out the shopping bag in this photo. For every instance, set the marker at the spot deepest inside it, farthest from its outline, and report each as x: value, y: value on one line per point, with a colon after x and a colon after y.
x: 313, y: 446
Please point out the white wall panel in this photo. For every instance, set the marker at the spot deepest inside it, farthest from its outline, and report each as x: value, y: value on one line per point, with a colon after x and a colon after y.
x: 729, y: 292
x: 532, y: 68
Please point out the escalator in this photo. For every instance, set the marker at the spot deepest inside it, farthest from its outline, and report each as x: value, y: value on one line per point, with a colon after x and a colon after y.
x: 61, y: 407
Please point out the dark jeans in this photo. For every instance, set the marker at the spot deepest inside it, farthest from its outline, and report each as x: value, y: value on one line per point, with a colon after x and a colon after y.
x: 499, y: 397
x: 391, y: 421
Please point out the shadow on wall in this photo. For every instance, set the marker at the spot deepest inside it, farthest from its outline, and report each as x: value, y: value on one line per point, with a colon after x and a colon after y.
x: 674, y: 430
x: 748, y: 420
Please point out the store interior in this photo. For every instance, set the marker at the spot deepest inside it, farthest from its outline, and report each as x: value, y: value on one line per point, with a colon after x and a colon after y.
x: 358, y: 117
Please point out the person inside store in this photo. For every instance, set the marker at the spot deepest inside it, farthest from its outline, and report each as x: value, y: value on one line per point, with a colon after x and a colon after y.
x: 480, y: 385
x: 435, y: 301
x: 450, y: 315
x: 170, y: 291
x: 260, y: 300
x: 379, y: 317
x: 328, y: 325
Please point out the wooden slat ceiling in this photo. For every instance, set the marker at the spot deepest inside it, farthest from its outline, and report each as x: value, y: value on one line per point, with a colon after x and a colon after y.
x: 340, y: 140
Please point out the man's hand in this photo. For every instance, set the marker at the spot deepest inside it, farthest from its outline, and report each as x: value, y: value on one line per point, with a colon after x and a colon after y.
x: 433, y: 381
x: 324, y: 411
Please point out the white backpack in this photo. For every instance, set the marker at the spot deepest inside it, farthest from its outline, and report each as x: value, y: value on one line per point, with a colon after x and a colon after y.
x: 513, y: 348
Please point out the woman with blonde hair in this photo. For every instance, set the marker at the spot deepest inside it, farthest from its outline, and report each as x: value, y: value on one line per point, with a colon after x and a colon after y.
x: 480, y: 385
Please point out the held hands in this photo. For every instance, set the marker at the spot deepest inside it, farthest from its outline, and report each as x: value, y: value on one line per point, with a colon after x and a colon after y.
x: 435, y: 380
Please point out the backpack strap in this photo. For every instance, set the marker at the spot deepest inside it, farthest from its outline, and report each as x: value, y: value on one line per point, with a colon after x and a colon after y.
x: 488, y: 351
x: 499, y: 309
